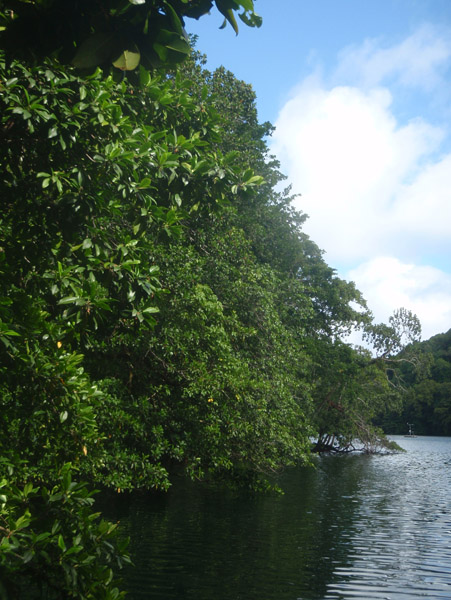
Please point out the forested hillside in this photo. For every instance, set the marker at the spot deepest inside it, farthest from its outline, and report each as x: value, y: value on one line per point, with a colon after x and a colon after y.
x: 161, y: 309
x: 427, y: 403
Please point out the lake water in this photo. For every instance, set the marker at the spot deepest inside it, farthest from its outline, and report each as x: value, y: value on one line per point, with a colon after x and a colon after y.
x: 355, y: 527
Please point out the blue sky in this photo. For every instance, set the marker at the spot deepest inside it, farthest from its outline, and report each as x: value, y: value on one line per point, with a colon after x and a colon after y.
x: 360, y: 94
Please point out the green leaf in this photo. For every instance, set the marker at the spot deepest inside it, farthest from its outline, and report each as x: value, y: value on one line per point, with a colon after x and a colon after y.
x: 228, y: 14
x: 23, y: 521
x: 144, y: 76
x: 74, y: 550
x: 247, y: 5
x: 68, y: 300
x: 176, y: 23
x: 94, y: 51
x: 22, y: 111
x: 27, y: 489
x: 151, y: 309
x: 28, y: 555
x: 173, y: 41
x: 9, y: 332
x: 252, y: 20
x: 145, y: 183
x: 128, y: 60
x: 61, y: 543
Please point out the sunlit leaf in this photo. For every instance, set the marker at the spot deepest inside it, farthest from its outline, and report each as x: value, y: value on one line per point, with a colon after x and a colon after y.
x: 252, y: 20
x: 128, y: 60
x: 228, y: 13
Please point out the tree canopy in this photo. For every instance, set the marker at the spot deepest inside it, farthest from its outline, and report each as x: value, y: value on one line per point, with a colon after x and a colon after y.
x: 426, y: 405
x: 122, y: 33
x: 161, y: 309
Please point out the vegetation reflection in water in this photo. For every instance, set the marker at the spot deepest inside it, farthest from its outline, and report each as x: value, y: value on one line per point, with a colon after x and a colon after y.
x: 354, y: 527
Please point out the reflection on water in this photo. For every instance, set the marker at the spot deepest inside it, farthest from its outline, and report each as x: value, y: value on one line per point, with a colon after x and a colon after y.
x: 356, y: 527
x: 400, y: 539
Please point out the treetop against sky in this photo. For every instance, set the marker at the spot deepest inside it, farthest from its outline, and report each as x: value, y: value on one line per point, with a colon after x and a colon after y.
x: 360, y: 96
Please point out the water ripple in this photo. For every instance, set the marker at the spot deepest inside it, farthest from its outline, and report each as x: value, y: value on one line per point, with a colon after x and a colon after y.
x: 355, y: 528
x: 401, y: 532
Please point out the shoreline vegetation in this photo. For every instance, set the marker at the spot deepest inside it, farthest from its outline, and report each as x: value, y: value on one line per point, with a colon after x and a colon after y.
x: 161, y: 309
x: 376, y: 443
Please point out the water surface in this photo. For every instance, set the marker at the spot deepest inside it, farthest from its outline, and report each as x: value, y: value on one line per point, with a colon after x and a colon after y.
x: 355, y: 527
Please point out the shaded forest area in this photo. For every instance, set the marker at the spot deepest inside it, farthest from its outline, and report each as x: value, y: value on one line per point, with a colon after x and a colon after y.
x: 426, y: 404
x: 162, y: 311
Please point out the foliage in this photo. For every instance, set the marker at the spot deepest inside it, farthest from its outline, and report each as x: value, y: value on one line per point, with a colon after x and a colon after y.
x: 161, y: 309
x: 355, y: 387
x: 387, y: 340
x: 349, y: 390
x: 122, y: 33
x: 234, y: 403
x: 426, y: 404
x: 96, y: 173
x: 95, y: 222
x: 158, y: 202
x: 52, y: 545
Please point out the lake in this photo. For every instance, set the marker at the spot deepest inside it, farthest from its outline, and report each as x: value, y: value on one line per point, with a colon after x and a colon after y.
x: 353, y: 527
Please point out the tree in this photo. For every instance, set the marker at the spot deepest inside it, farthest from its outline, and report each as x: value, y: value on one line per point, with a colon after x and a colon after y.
x: 96, y: 173
x: 314, y: 305
x: 355, y: 386
x: 427, y: 383
x: 122, y: 33
x: 95, y: 223
x: 161, y: 309
x: 350, y: 390
x: 387, y: 340
x: 219, y: 337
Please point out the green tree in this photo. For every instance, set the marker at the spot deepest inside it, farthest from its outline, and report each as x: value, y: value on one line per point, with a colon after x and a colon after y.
x: 122, y: 33
x: 94, y: 223
x: 161, y: 309
x: 355, y: 387
x: 315, y: 307
x: 427, y: 382
x: 97, y: 173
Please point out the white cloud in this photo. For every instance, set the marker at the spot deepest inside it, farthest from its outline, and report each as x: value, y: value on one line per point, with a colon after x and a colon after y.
x: 388, y: 284
x: 372, y: 185
x: 418, y: 61
x: 423, y: 207
x: 347, y: 155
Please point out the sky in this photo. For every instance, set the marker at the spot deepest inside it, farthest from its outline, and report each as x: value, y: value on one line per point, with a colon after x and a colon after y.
x: 359, y: 92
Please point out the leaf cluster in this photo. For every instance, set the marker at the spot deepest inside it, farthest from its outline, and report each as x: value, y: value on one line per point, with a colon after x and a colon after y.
x: 96, y: 176
x: 53, y: 545
x: 121, y: 33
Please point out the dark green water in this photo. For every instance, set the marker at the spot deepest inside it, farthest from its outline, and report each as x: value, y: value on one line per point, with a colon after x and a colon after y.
x: 355, y: 527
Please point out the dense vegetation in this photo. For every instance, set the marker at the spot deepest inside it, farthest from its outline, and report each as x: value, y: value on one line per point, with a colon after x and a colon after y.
x: 426, y: 405
x: 161, y: 309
